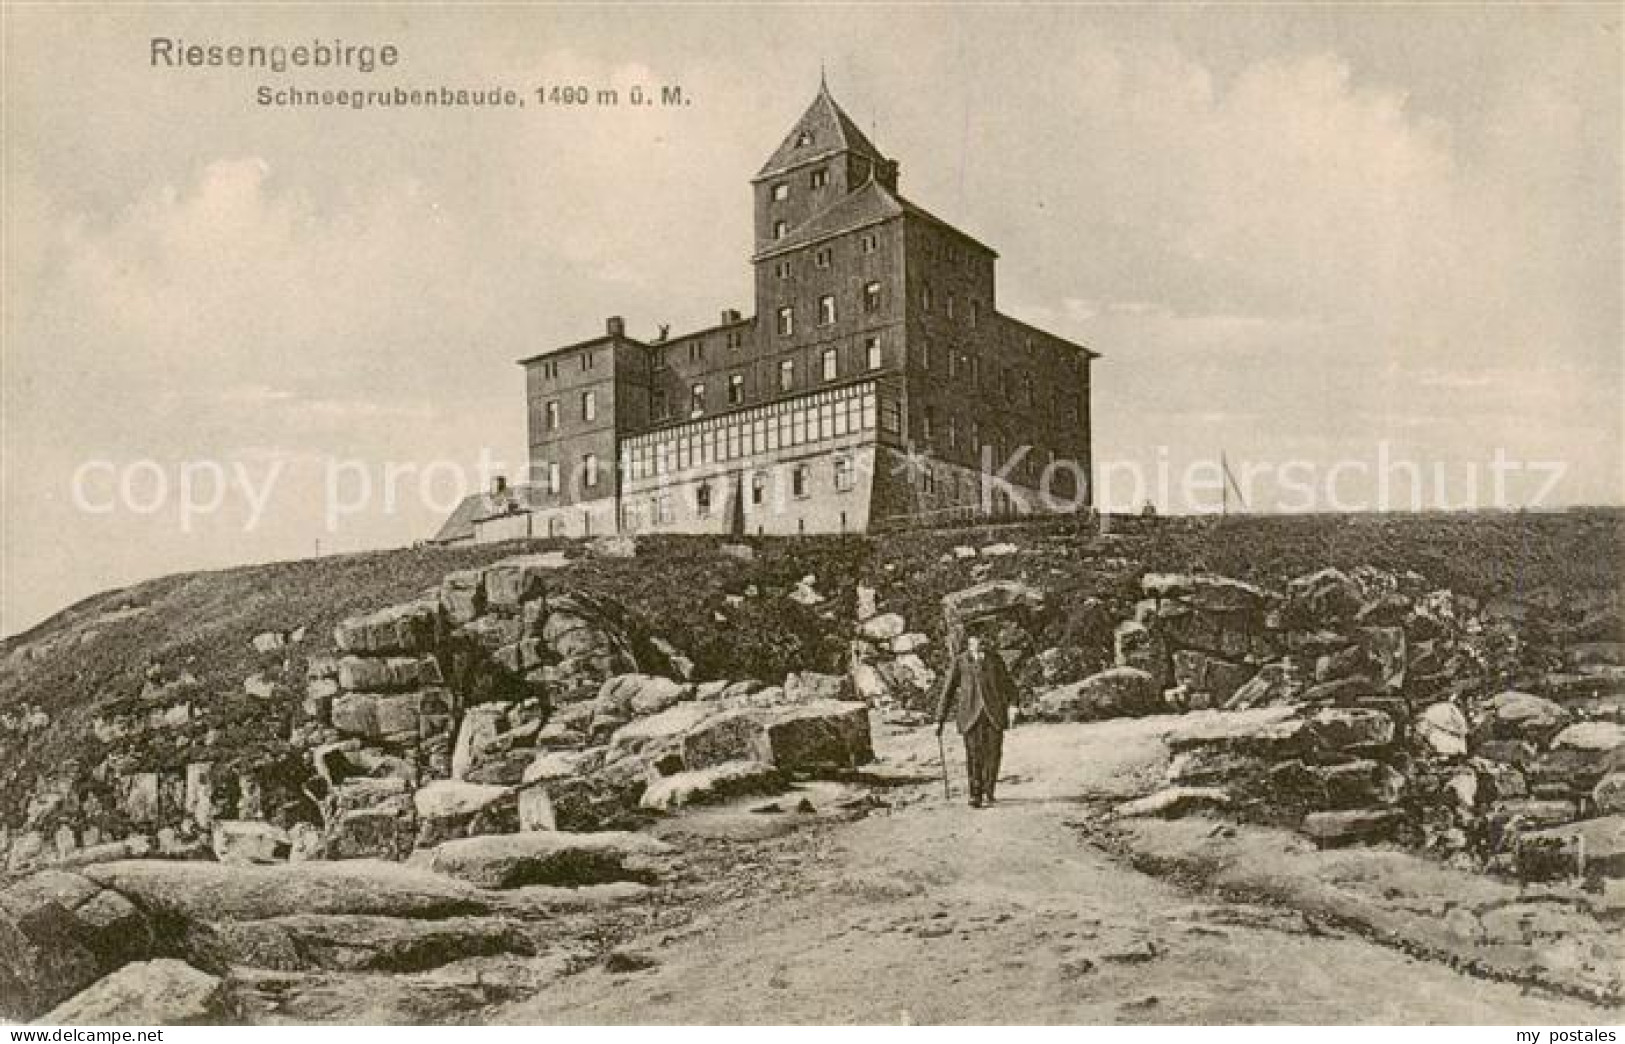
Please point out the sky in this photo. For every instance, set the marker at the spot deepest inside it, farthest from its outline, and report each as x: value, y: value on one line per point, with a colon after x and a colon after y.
x: 1331, y: 236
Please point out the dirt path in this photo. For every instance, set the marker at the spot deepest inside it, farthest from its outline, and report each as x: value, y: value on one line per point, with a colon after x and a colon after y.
x: 931, y: 912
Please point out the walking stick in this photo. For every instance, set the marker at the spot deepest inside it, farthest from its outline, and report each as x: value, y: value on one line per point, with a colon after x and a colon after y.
x: 942, y: 755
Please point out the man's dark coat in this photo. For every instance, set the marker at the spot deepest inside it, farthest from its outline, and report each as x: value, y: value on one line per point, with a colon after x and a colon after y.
x: 977, y: 688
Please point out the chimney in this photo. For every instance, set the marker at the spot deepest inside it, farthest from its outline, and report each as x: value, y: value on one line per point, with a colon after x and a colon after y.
x: 729, y: 316
x: 615, y: 326
x: 499, y: 485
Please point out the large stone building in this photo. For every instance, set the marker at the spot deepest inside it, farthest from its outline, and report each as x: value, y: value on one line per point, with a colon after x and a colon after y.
x: 877, y: 384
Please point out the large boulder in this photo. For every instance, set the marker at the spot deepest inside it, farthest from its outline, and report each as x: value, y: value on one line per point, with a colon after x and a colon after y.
x: 363, y: 942
x: 551, y: 858
x: 657, y: 733
x: 59, y: 932
x: 249, y: 841
x: 212, y: 892
x: 1442, y: 728
x: 1351, y: 825
x: 1591, y: 847
x: 1219, y: 679
x: 462, y: 595
x: 826, y: 734
x: 1115, y: 693
x: 1333, y: 729
x: 162, y: 992
x: 994, y: 598
x: 1520, y: 715
x: 722, y: 782
x: 731, y: 736
x: 387, y: 673
x: 449, y: 809
x: 402, y: 629
x: 516, y: 580
x: 480, y: 725
x: 811, y: 686
x: 1326, y: 597
x: 1272, y: 684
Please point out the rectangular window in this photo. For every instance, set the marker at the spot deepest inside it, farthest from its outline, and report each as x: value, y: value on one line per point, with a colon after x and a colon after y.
x: 758, y: 488
x: 948, y: 306
x: 589, y: 470
x: 820, y: 177
x: 736, y: 389
x: 782, y: 269
x: 798, y: 480
x: 553, y: 476
x: 550, y: 370
x: 781, y: 229
x: 831, y: 364
x: 781, y: 192
x: 696, y: 352
x: 787, y: 321
x: 869, y: 243
x: 975, y: 313
x: 925, y: 297
x: 871, y: 352
x: 871, y: 297
x: 822, y: 257
x: 552, y: 411
x: 826, y: 310
x: 891, y: 417
x: 702, y: 499
x: 925, y: 355
x: 843, y: 473
x: 928, y: 423
x: 657, y: 405
x: 869, y: 412
x: 787, y: 375
x: 735, y: 340
x: 696, y: 400
x: 589, y: 406
x: 586, y: 361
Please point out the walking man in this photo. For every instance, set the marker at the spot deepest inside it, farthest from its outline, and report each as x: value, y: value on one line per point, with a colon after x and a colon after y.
x: 978, y: 691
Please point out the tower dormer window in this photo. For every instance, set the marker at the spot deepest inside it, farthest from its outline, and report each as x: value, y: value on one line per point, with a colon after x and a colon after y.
x: 804, y: 139
x: 820, y: 177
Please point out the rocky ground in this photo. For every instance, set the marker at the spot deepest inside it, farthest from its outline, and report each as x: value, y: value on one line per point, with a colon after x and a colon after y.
x: 1047, y: 909
x: 530, y: 785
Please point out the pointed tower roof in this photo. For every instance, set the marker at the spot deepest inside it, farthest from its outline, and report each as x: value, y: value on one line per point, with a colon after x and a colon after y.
x: 823, y: 130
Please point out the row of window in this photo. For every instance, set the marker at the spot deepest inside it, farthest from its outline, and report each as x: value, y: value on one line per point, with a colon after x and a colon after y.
x: 778, y: 426
x: 824, y: 257
x: 950, y: 305
x: 817, y: 178
x: 552, y: 481
x: 589, y: 410
x: 550, y: 367
x: 827, y: 310
x: 829, y: 369
x: 708, y: 496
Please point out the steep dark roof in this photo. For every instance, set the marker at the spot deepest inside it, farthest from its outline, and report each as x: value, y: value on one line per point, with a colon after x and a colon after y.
x: 869, y: 204
x: 828, y: 131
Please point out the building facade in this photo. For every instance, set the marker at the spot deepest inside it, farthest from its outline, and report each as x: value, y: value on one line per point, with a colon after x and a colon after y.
x: 876, y: 385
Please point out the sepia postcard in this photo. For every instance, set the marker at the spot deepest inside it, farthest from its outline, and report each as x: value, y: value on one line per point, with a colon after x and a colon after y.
x: 1026, y: 514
